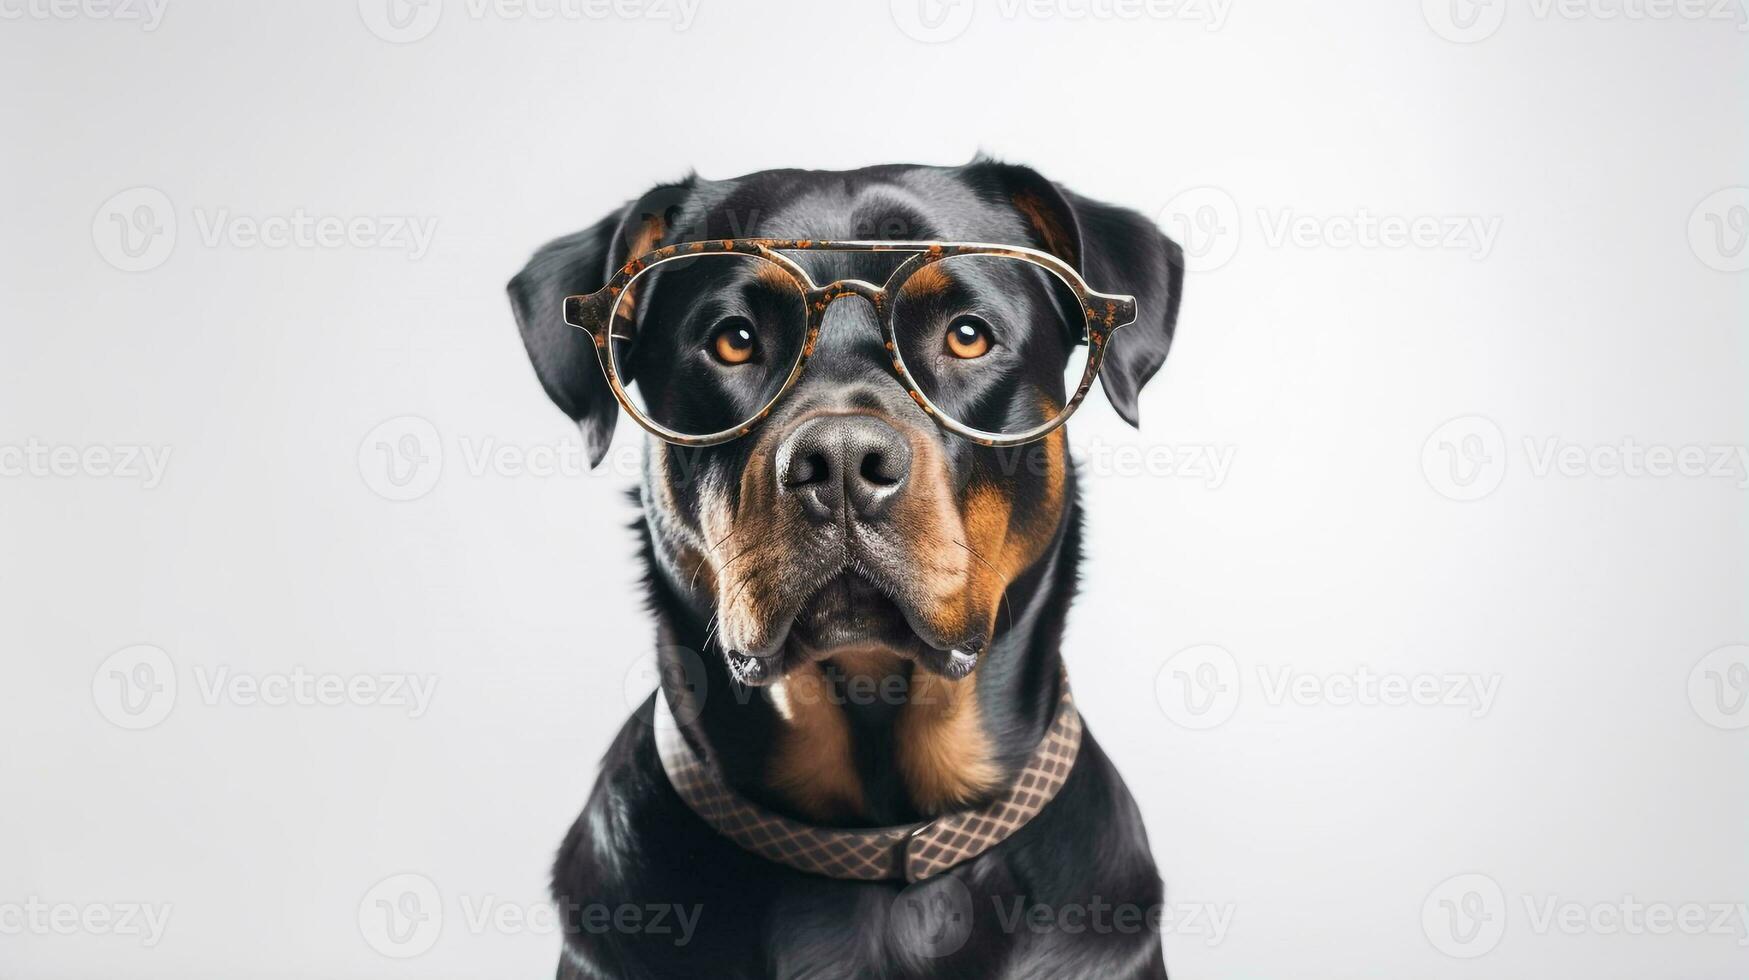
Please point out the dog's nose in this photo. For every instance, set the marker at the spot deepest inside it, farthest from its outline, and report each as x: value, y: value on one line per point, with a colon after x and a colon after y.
x: 832, y: 463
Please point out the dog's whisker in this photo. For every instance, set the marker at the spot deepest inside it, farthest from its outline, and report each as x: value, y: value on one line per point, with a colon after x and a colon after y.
x: 693, y: 580
x: 737, y: 557
x: 711, y: 628
x: 1003, y: 603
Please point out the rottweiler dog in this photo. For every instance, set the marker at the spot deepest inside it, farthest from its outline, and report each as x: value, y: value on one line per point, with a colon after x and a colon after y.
x: 858, y: 608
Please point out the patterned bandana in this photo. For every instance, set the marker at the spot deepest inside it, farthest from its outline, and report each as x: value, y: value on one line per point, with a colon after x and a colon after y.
x: 910, y: 851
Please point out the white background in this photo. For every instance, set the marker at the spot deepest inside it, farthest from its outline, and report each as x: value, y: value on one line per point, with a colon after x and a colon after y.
x: 1592, y: 144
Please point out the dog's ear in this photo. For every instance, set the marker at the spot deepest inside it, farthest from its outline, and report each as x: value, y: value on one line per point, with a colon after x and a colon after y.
x: 1117, y: 251
x: 564, y: 356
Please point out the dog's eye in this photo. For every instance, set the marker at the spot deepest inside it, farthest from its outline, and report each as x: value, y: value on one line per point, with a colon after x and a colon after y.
x: 733, y: 341
x: 968, y: 337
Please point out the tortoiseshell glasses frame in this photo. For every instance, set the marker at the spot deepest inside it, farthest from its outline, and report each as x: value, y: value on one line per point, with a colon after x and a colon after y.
x: 596, y: 312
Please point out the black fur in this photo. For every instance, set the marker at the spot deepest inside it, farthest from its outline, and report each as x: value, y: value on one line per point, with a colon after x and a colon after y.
x: 636, y: 845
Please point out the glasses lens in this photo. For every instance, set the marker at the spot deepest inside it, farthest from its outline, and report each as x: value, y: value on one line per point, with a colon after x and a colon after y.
x: 703, y: 343
x: 993, y: 341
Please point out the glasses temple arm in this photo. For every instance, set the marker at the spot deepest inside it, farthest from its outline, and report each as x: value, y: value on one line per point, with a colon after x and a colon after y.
x: 1113, y: 310
x: 587, y: 312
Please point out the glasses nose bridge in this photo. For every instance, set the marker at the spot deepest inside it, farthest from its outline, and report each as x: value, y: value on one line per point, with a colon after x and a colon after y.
x: 823, y: 297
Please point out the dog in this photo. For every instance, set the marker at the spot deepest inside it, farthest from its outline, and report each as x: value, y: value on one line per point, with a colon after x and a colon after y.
x: 874, y: 643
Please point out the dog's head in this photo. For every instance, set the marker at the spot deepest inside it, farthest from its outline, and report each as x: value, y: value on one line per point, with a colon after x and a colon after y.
x: 848, y: 520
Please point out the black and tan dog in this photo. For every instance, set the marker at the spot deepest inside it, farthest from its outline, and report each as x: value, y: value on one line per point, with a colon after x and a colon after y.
x: 858, y: 614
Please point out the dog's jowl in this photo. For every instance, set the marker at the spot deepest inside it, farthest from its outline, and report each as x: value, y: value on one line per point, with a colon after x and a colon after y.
x: 861, y: 527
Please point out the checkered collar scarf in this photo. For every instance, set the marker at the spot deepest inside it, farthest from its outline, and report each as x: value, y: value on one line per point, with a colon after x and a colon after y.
x: 910, y: 852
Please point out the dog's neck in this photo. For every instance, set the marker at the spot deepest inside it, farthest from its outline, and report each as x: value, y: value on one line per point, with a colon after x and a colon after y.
x: 866, y: 738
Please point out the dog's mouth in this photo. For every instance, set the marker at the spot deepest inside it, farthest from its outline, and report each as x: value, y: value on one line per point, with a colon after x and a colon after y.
x: 849, y: 612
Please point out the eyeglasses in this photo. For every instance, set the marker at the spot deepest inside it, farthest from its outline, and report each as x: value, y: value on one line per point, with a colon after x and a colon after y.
x: 964, y: 326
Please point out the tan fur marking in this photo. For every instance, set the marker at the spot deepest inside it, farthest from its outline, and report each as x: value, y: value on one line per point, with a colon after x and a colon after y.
x: 927, y: 281
x: 1055, y: 236
x: 642, y: 240
x: 812, y: 766
x: 1006, y: 546
x: 774, y: 276
x: 943, y: 750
